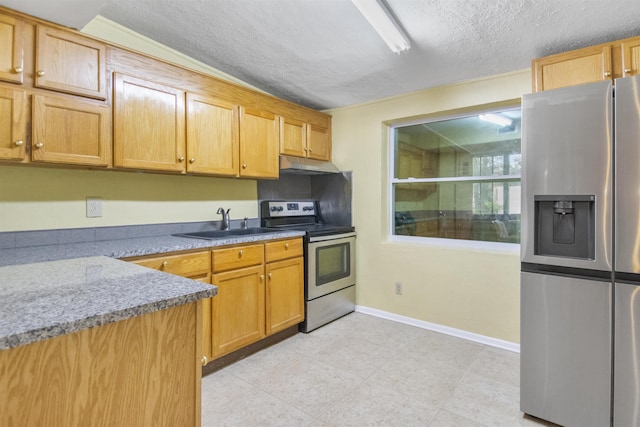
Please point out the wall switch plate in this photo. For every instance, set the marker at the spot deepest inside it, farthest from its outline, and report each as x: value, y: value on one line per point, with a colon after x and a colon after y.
x: 398, y: 288
x: 94, y: 207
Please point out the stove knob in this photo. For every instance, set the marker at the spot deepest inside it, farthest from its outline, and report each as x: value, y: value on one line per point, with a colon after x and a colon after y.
x: 273, y: 209
x: 280, y: 208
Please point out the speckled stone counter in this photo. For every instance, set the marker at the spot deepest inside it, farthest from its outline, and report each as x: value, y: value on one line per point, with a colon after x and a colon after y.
x: 51, y: 290
x: 44, y: 300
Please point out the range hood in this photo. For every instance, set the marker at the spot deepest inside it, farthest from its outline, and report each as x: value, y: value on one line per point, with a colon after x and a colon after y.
x: 300, y: 165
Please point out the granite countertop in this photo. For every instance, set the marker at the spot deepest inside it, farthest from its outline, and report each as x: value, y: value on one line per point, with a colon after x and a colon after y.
x: 51, y: 290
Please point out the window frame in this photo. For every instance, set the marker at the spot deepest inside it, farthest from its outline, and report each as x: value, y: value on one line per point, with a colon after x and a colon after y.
x: 480, y: 245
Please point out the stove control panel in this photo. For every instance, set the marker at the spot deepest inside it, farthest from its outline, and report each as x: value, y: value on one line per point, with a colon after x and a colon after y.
x: 291, y: 209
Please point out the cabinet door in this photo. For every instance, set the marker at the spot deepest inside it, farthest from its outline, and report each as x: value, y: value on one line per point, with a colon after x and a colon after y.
x: 586, y: 65
x: 71, y: 131
x: 238, y: 309
x: 11, y: 49
x: 259, y: 142
x: 284, y: 300
x: 149, y: 125
x: 293, y: 137
x: 212, y: 136
x: 631, y: 57
x: 318, y: 143
x: 70, y: 63
x: 12, y: 123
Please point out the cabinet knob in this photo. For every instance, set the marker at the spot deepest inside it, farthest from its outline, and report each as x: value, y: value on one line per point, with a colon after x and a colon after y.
x: 627, y: 70
x: 39, y: 145
x: 40, y: 73
x: 244, y: 166
x: 305, y: 148
x: 165, y: 263
x: 192, y: 160
x: 262, y: 277
x: 181, y: 159
x: 286, y: 246
x: 204, y: 360
x: 269, y: 275
x: 17, y: 70
x: 607, y: 73
x: 241, y: 252
x: 18, y: 143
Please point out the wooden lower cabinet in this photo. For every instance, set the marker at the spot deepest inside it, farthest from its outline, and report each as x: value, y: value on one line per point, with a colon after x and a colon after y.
x: 143, y: 371
x: 284, y: 299
x: 238, y: 309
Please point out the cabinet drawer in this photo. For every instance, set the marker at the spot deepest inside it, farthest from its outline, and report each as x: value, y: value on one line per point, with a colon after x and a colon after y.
x: 236, y: 257
x: 282, y: 249
x: 187, y: 265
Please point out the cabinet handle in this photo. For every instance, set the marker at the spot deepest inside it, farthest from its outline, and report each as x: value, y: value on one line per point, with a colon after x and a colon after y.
x: 241, y: 252
x: 305, y: 148
x: 165, y: 263
x: 286, y: 246
x: 607, y: 73
x: 244, y: 166
x: 310, y: 150
x: 192, y: 160
x: 269, y: 275
x: 39, y: 145
x: 627, y: 70
x: 19, y: 143
x: 204, y: 360
x: 17, y: 70
x: 40, y: 73
x: 181, y: 159
x: 261, y: 277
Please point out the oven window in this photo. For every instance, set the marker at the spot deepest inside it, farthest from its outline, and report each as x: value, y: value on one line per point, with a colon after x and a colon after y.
x: 333, y: 263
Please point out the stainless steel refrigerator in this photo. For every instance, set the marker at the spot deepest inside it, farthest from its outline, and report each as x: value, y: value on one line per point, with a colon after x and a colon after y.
x: 580, y: 252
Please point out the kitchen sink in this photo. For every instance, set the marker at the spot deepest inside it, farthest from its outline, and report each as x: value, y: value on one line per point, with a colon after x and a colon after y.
x: 219, y: 234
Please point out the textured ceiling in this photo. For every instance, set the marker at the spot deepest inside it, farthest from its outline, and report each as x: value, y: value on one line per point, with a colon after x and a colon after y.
x: 324, y: 54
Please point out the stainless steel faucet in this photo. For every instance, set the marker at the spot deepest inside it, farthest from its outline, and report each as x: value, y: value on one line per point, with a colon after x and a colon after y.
x: 226, y: 222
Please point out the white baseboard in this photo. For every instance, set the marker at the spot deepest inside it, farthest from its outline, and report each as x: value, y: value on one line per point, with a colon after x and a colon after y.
x: 458, y: 333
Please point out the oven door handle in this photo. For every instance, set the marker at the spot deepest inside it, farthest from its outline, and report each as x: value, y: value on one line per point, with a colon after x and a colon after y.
x: 331, y: 237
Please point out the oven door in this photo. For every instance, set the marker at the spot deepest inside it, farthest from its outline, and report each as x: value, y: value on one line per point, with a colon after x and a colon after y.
x: 331, y: 264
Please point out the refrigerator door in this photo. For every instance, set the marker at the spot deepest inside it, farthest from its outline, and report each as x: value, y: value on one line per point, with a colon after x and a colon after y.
x: 626, y: 389
x: 567, y: 149
x: 565, y: 359
x: 627, y: 157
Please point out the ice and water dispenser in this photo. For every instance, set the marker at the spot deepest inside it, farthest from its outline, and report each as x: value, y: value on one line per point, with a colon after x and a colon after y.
x: 565, y: 226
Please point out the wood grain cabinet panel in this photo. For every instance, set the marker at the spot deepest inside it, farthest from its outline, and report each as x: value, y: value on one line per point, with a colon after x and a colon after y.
x: 149, y: 125
x: 586, y: 65
x: 631, y: 57
x: 212, y: 136
x: 70, y: 131
x: 13, y: 117
x: 318, y: 143
x: 238, y: 309
x: 259, y: 144
x: 236, y: 257
x: 70, y: 63
x: 293, y: 137
x: 192, y: 265
x: 284, y: 298
x: 11, y: 49
x: 283, y: 249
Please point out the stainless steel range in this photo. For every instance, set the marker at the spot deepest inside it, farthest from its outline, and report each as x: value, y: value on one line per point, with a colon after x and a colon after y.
x: 329, y: 251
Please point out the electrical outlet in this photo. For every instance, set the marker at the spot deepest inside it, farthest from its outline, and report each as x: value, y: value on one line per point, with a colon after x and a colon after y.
x: 94, y: 207
x: 398, y: 288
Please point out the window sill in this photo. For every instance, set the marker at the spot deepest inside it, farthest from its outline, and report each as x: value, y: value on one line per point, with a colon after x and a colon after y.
x: 468, y: 245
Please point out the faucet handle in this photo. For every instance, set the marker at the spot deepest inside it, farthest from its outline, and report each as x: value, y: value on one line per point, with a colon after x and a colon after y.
x: 220, y: 211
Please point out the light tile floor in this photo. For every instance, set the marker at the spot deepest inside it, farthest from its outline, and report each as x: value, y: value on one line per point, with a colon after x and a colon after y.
x: 362, y: 370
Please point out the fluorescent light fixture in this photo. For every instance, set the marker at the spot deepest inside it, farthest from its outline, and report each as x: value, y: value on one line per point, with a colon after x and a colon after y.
x: 496, y: 119
x: 383, y: 22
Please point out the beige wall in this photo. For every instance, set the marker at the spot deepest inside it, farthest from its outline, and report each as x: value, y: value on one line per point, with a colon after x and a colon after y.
x: 472, y: 289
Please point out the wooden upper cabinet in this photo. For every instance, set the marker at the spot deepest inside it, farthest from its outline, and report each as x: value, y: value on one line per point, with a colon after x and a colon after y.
x: 293, y: 137
x: 586, y: 65
x: 11, y: 49
x: 70, y: 63
x: 318, y: 143
x: 149, y: 125
x: 630, y: 57
x: 212, y: 136
x: 13, y: 121
x: 259, y: 144
x: 71, y: 131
